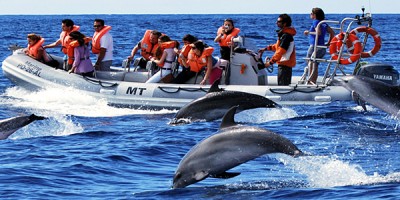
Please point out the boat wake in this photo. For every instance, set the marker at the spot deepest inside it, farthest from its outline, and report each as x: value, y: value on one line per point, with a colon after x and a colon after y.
x: 68, y: 102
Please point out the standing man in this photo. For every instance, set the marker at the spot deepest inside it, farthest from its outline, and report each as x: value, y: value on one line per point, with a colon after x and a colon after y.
x: 67, y: 27
x: 102, y: 45
x: 285, y: 54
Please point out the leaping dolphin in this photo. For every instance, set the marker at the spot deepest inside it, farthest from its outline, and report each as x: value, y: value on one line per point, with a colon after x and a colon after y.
x: 231, y: 146
x: 10, y: 125
x: 216, y: 102
x: 377, y: 93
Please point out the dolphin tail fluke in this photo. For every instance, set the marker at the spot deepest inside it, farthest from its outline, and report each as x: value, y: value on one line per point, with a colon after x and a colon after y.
x: 34, y: 117
x: 229, y: 118
x: 226, y: 175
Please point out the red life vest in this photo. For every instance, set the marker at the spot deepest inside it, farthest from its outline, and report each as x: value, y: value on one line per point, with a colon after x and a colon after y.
x: 226, y: 39
x: 96, y: 39
x: 197, y: 63
x: 33, y: 50
x: 147, y: 49
x: 184, y: 52
x: 71, y: 49
x: 64, y: 36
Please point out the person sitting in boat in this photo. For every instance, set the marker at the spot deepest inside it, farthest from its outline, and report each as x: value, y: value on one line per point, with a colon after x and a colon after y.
x: 81, y: 57
x: 102, y: 45
x: 224, y: 35
x: 67, y: 26
x: 284, y: 48
x: 200, y: 57
x: 183, y: 53
x: 164, y: 58
x: 147, y: 46
x: 35, y: 48
x: 317, y: 15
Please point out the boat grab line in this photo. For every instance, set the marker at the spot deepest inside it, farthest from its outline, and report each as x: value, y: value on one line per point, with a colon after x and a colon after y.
x: 99, y: 82
x: 179, y: 89
x: 295, y: 89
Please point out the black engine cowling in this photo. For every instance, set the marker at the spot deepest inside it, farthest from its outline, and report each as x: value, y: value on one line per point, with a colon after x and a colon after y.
x: 379, y: 71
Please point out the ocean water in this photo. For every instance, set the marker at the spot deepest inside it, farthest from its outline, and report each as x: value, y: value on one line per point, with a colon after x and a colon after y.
x: 89, y: 150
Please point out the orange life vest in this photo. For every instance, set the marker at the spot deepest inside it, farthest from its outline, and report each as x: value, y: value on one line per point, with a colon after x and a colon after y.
x: 64, y: 36
x: 184, y: 52
x: 96, y: 39
x: 147, y: 48
x: 197, y: 63
x: 226, y: 39
x: 71, y: 49
x: 33, y: 50
x: 167, y: 45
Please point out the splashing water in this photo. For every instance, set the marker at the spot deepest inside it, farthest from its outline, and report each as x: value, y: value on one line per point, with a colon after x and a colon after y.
x: 325, y: 172
x: 68, y: 102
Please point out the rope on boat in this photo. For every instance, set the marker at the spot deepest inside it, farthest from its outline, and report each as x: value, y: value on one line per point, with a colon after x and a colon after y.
x: 164, y: 89
x: 295, y: 89
x: 96, y: 81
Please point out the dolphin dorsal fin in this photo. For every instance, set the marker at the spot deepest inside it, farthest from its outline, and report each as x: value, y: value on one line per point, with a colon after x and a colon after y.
x: 214, y: 87
x: 229, y: 118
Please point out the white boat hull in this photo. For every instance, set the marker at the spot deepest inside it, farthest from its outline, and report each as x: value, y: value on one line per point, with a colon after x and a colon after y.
x: 31, y: 74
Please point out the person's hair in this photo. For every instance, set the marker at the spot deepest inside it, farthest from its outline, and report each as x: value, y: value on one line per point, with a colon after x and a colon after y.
x: 200, y: 45
x: 100, y: 21
x: 156, y: 33
x: 189, y: 38
x: 319, y: 13
x: 230, y: 20
x: 164, y: 38
x: 286, y: 19
x: 34, y: 37
x: 68, y: 22
x: 78, y: 36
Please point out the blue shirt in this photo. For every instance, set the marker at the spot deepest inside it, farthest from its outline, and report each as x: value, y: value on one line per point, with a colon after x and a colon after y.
x: 321, y: 37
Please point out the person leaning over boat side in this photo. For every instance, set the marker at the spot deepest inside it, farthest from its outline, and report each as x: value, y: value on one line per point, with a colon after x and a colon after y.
x: 200, y: 57
x: 147, y: 46
x: 317, y: 15
x: 82, y: 64
x: 166, y: 50
x: 284, y: 48
x: 67, y: 26
x: 224, y: 35
x: 35, y: 48
x: 102, y: 45
x: 183, y: 53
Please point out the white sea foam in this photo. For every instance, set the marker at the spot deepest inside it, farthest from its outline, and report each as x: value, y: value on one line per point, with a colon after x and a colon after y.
x: 325, y: 172
x: 261, y: 115
x: 54, y: 125
x: 68, y: 102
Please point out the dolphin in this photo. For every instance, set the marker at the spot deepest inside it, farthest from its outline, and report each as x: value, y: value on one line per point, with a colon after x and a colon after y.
x: 216, y: 102
x: 231, y: 146
x: 375, y: 92
x: 10, y: 125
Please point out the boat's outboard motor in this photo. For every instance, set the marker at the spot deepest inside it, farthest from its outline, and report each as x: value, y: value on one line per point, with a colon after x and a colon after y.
x: 379, y: 71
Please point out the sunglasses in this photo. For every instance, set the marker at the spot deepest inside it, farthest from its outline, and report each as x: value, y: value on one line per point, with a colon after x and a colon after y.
x: 96, y: 26
x: 194, y: 48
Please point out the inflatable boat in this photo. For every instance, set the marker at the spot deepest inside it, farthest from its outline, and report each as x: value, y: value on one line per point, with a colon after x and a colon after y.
x: 127, y: 88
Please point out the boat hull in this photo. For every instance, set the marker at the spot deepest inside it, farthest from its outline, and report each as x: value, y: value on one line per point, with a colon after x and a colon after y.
x: 31, y: 74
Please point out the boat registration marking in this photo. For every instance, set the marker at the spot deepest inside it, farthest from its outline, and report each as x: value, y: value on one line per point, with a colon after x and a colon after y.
x: 135, y: 90
x: 30, y: 68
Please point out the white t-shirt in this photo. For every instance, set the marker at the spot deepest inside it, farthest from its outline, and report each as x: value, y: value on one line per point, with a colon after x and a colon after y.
x: 107, y: 42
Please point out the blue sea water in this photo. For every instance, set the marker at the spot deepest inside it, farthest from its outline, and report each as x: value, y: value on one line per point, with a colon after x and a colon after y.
x: 89, y: 150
